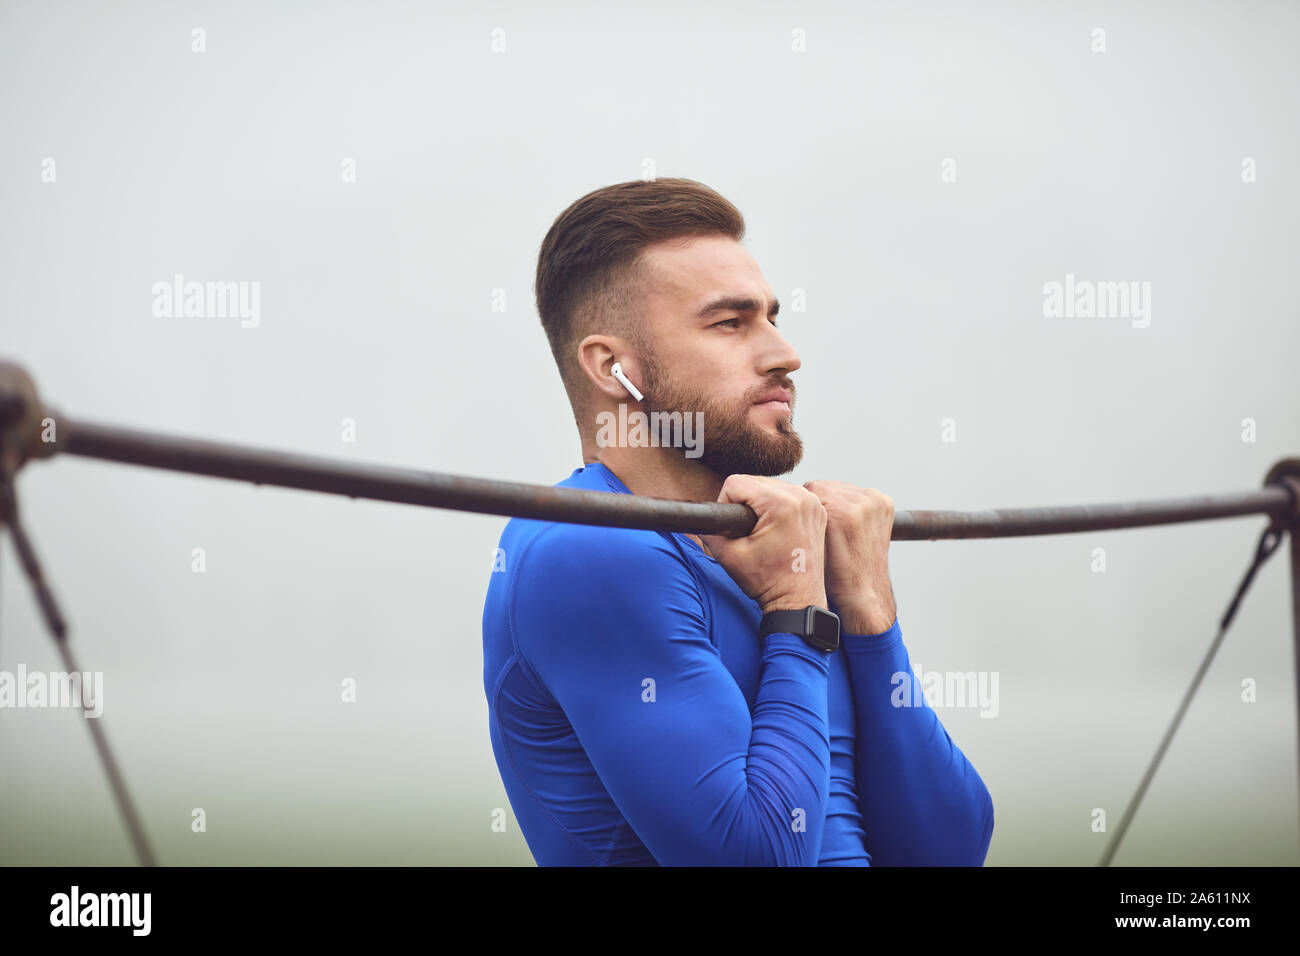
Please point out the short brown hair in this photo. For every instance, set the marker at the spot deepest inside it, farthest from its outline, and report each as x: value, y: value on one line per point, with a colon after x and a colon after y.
x: 589, y: 276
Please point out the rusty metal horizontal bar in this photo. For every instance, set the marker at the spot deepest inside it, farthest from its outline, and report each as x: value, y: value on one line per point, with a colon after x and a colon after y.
x: 488, y: 496
x: 23, y: 436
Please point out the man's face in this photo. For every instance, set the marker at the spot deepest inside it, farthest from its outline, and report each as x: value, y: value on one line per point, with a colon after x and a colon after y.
x: 714, y: 348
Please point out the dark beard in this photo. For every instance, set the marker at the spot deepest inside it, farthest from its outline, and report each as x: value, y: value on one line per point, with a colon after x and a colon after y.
x: 732, y: 443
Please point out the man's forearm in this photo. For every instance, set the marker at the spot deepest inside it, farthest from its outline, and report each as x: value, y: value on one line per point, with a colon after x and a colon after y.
x: 922, y: 801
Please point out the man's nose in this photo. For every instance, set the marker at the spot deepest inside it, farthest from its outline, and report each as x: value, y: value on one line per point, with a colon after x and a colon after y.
x: 779, y: 354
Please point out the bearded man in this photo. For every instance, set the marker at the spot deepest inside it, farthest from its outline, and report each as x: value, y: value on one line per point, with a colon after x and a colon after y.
x: 671, y: 699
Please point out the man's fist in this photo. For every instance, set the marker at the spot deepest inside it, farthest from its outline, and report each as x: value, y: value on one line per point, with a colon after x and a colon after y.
x: 859, y: 523
x: 780, y: 563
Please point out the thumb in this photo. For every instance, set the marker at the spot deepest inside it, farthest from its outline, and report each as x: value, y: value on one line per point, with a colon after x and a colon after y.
x: 709, y: 542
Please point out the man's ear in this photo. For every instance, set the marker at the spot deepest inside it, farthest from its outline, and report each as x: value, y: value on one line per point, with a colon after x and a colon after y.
x: 597, y: 355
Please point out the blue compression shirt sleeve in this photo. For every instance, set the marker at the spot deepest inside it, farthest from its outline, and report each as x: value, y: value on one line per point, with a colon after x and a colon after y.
x: 659, y: 715
x: 922, y: 801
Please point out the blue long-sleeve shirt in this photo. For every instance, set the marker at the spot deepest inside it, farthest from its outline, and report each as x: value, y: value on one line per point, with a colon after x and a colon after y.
x: 636, y: 719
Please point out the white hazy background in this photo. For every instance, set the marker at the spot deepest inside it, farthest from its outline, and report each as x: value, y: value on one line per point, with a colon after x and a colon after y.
x: 924, y: 302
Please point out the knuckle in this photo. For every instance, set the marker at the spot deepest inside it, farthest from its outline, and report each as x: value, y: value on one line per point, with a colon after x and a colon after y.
x: 879, y: 499
x: 738, y: 483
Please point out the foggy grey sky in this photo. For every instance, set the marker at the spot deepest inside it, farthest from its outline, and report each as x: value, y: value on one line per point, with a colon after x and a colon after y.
x: 924, y: 303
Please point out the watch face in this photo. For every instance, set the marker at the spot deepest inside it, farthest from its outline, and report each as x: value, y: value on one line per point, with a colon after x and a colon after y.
x: 825, y: 629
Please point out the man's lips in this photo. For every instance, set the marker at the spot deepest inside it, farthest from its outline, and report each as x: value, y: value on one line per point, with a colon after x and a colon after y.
x: 782, y: 395
x: 777, y: 399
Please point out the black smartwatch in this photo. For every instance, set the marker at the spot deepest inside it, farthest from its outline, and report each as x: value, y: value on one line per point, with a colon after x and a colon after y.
x: 816, y: 625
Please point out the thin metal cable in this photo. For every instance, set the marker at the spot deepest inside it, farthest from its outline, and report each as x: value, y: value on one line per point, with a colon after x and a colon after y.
x: 1268, y: 543
x: 57, y: 627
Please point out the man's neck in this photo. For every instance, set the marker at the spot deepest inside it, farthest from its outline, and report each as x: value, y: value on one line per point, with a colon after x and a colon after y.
x: 659, y: 473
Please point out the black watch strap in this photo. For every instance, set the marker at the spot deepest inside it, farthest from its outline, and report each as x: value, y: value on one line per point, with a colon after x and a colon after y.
x: 819, y: 627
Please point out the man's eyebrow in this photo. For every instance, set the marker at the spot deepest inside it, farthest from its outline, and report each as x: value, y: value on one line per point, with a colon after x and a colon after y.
x: 732, y: 303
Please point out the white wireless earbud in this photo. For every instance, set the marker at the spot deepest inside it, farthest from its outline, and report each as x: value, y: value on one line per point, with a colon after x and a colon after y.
x: 617, y: 372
